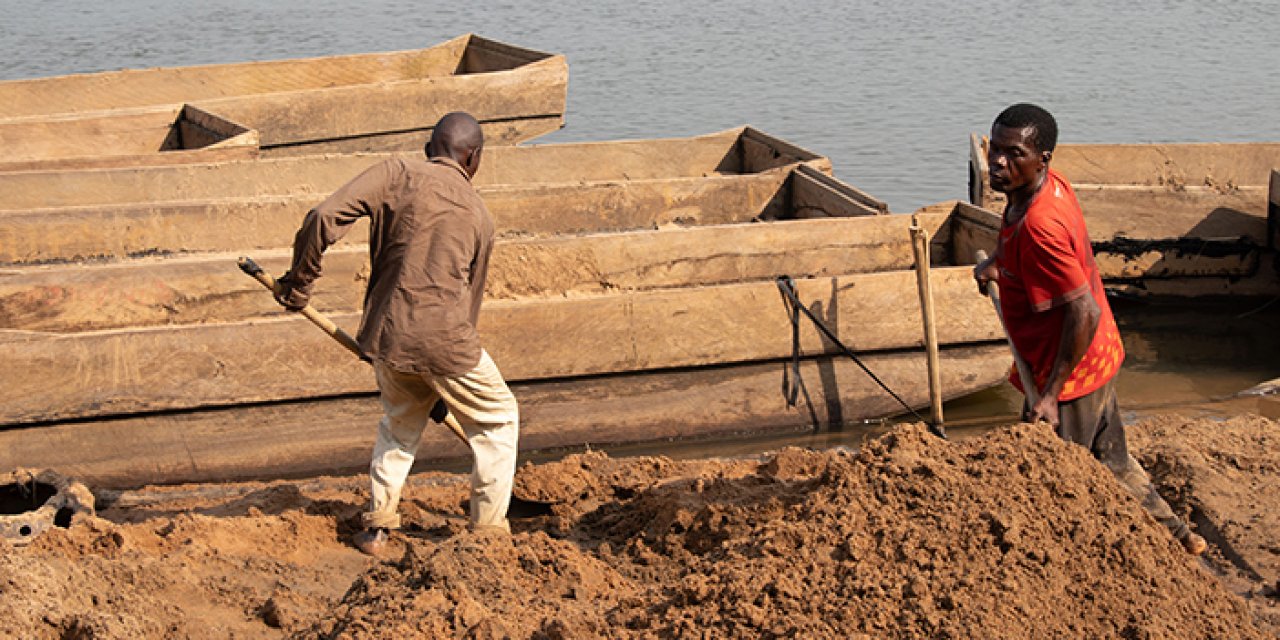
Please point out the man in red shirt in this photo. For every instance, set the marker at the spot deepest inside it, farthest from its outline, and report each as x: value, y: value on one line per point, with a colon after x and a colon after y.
x: 1054, y: 306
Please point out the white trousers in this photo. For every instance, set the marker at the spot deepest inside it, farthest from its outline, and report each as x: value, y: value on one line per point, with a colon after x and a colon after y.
x: 489, y: 416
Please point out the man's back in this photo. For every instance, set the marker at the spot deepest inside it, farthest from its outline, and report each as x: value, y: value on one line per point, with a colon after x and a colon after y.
x: 429, y: 248
x: 429, y: 245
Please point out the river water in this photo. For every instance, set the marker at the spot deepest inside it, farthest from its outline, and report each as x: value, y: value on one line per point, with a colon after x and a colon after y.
x: 889, y: 90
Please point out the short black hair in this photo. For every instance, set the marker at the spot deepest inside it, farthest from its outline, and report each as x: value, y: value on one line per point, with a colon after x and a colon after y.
x: 1024, y: 115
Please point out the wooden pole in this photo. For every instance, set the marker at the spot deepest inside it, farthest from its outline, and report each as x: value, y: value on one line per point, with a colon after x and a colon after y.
x: 920, y: 245
x: 1024, y: 369
x: 1273, y: 210
x: 252, y: 269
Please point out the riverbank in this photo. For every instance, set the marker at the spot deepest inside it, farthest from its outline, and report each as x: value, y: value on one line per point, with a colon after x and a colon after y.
x: 908, y: 536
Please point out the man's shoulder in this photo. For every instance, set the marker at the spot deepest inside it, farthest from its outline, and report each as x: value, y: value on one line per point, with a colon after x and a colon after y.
x: 1055, y: 207
x: 443, y: 185
x: 439, y: 177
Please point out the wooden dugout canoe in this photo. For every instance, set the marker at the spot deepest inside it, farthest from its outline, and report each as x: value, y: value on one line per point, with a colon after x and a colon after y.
x: 365, y: 102
x: 1168, y: 219
x: 335, y: 435
x: 636, y: 331
x: 747, y: 184
x: 168, y: 134
x: 741, y: 150
x: 202, y: 288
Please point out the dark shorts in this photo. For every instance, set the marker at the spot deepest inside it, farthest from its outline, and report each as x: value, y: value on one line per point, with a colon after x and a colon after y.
x: 1093, y: 421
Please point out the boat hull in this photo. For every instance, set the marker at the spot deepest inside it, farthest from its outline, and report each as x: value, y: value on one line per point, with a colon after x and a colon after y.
x: 369, y: 102
x: 335, y: 435
x: 1182, y: 220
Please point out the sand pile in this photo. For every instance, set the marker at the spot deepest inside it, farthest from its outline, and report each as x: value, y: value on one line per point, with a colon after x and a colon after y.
x: 204, y: 561
x: 1222, y: 476
x: 1010, y: 535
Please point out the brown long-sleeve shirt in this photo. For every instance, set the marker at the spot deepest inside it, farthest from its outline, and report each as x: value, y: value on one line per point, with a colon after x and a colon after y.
x: 429, y: 245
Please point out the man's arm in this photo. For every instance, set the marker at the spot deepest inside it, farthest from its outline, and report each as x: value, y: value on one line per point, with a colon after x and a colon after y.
x: 1079, y: 324
x: 326, y: 224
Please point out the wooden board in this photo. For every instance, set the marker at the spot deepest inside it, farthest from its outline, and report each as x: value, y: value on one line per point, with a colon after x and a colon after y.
x: 967, y: 230
x: 1175, y: 168
x: 319, y: 116
x: 1193, y: 216
x: 336, y: 435
x: 170, y: 85
x: 980, y: 191
x: 1217, y: 165
x: 1122, y: 260
x: 245, y: 148
x: 149, y: 369
x: 319, y: 175
x: 169, y: 135
x: 817, y: 195
x: 209, y: 288
x: 1264, y: 283
x: 1159, y: 214
x: 496, y: 133
x: 135, y: 230
x: 327, y: 103
x: 1273, y: 212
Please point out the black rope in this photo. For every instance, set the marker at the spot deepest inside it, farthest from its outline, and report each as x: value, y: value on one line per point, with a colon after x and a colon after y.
x: 792, y: 301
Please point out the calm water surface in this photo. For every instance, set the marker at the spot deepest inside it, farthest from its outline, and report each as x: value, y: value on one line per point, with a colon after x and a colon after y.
x: 890, y: 90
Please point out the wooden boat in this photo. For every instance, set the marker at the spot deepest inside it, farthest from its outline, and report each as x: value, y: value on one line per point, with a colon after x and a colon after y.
x: 1168, y: 219
x: 626, y: 332
x: 734, y: 151
x: 60, y: 216
x: 645, y: 359
x: 365, y: 102
x: 165, y: 134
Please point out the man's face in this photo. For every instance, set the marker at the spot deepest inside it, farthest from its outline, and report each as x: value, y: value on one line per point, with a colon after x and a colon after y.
x: 1012, y: 160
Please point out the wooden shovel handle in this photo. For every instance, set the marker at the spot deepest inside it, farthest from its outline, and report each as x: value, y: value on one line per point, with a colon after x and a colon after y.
x: 1024, y: 370
x: 256, y: 272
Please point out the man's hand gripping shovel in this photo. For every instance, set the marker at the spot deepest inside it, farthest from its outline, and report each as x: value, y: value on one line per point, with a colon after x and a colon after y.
x: 520, y: 507
x: 1024, y: 370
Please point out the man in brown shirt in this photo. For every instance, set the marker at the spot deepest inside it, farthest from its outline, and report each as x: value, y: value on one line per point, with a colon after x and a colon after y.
x: 429, y: 246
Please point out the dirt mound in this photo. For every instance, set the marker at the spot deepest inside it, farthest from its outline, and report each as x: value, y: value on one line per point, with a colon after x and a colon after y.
x: 911, y: 537
x: 1221, y: 476
x: 484, y: 586
x: 188, y: 575
x: 916, y: 537
x: 1013, y: 534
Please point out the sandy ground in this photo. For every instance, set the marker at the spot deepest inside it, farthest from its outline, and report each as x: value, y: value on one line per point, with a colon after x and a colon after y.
x: 1013, y: 534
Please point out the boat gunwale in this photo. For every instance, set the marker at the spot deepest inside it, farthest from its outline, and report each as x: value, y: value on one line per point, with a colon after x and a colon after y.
x: 463, y: 43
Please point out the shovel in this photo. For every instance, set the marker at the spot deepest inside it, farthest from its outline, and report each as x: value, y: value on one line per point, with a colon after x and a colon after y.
x: 520, y: 507
x: 1024, y: 369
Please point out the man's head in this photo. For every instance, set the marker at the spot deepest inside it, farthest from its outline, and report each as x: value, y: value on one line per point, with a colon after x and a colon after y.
x: 1023, y: 138
x: 458, y: 136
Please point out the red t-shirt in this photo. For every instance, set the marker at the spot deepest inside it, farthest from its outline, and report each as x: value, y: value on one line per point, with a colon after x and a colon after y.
x: 1045, y: 261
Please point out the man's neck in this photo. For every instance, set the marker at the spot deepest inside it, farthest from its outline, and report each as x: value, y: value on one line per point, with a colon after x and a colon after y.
x: 1019, y: 200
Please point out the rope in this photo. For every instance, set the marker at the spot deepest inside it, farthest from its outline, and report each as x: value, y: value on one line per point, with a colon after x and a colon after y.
x: 791, y: 388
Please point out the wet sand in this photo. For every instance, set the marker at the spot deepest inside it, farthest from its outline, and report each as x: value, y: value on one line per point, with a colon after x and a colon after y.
x: 1007, y: 534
